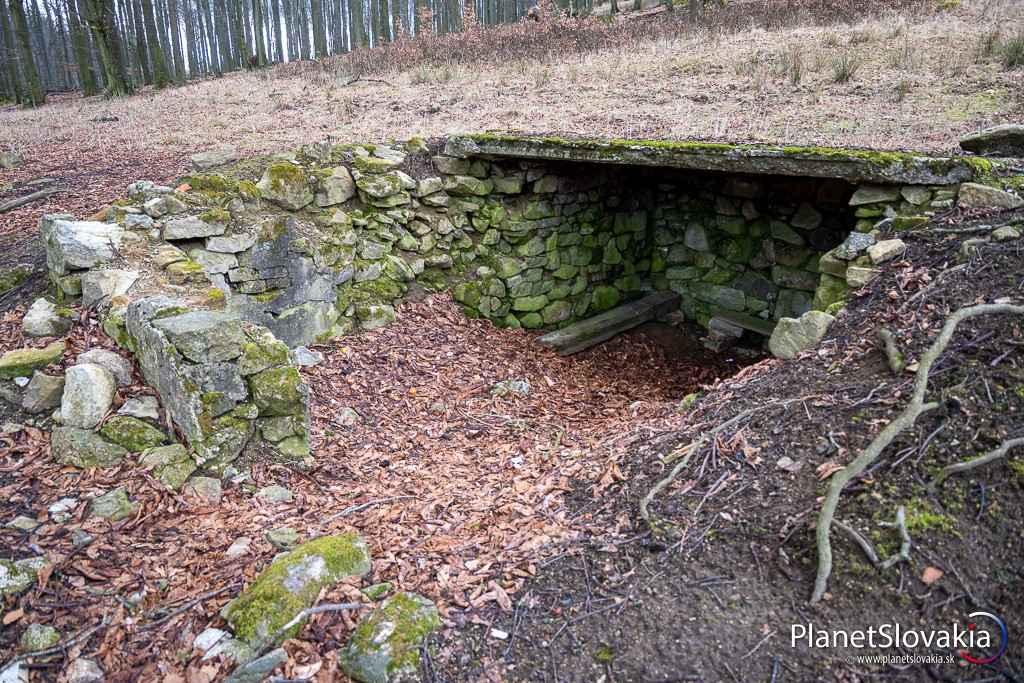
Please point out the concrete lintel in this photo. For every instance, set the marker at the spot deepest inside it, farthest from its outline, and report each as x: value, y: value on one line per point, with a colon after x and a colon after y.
x: 854, y: 165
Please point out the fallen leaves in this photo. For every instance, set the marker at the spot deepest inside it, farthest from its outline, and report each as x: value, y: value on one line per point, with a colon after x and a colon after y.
x: 460, y: 494
x: 827, y: 469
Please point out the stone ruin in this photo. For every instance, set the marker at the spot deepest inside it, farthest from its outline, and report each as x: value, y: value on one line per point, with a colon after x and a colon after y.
x: 217, y: 286
x: 213, y: 284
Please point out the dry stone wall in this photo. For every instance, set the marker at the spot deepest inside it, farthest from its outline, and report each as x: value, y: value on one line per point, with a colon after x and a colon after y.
x: 212, y: 283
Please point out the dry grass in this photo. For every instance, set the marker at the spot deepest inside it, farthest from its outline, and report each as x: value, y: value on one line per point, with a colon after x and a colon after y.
x: 947, y: 74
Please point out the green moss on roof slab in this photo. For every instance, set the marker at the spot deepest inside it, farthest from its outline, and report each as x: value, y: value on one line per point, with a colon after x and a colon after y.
x: 852, y: 164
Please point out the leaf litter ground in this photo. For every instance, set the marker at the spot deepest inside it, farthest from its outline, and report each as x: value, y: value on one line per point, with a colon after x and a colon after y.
x: 460, y: 492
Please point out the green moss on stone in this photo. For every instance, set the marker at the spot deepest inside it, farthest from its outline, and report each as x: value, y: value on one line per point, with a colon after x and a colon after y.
x: 132, y: 433
x: 23, y: 362
x: 385, y: 646
x: 292, y: 583
x: 215, y: 216
x: 278, y: 391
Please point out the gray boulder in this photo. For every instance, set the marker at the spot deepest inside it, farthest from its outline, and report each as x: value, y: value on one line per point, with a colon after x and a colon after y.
x: 385, y: 646
x: 142, y: 407
x: 88, y: 392
x: 292, y: 583
x: 114, y: 505
x: 43, y: 393
x: 204, y: 336
x: 872, y: 194
x: 163, y: 205
x: 286, y: 185
x: 84, y: 448
x: 853, y: 246
x: 99, y: 286
x: 204, y: 161
x: 43, y: 319
x: 191, y: 227
x: 1006, y: 140
x: 258, y: 669
x: 83, y: 671
x: 119, y: 366
x: 77, y: 245
x: 794, y: 335
x: 336, y: 188
x: 231, y: 244
x: 975, y: 196
x: 10, y: 158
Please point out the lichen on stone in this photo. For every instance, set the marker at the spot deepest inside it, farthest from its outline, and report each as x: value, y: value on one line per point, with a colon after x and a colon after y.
x: 292, y: 583
x: 132, y: 433
x: 385, y: 646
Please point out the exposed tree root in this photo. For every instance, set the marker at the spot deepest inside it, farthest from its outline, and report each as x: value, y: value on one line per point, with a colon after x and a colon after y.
x: 892, y: 353
x: 991, y: 456
x: 869, y: 550
x: 904, y: 420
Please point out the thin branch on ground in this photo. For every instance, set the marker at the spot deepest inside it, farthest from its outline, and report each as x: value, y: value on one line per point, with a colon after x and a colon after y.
x: 352, y: 509
x: 932, y: 285
x: 363, y: 79
x: 303, y: 615
x: 187, y: 606
x: 655, y: 525
x: 892, y: 352
x: 29, y: 198
x: 991, y: 456
x: 914, y: 409
x: 60, y: 648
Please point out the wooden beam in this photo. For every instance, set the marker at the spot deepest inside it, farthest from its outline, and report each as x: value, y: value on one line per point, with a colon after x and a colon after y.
x: 747, y: 322
x: 604, y: 326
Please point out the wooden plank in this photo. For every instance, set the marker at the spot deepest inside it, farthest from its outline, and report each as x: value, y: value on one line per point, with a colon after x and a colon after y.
x: 748, y: 322
x: 604, y: 326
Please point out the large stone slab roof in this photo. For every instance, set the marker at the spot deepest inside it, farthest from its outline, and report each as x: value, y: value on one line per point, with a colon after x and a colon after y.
x: 854, y: 165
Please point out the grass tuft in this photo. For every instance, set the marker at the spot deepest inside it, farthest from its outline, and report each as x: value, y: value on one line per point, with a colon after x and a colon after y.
x: 845, y: 66
x: 1012, y: 51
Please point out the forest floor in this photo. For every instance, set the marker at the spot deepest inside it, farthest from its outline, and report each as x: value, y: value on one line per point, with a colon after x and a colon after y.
x: 917, y: 80
x: 518, y: 514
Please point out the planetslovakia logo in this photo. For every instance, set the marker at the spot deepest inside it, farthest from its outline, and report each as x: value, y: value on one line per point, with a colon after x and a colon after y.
x: 982, y: 641
x: 1003, y: 639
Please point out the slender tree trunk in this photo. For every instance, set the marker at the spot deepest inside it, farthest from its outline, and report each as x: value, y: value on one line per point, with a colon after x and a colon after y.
x: 99, y: 17
x: 141, y: 53
x: 11, y: 54
x: 156, y: 53
x: 223, y: 39
x: 257, y: 30
x: 306, y: 48
x: 319, y: 39
x: 193, y: 20
x: 175, y: 30
x: 34, y: 95
x: 278, y: 43
x: 241, y: 46
x: 81, y: 46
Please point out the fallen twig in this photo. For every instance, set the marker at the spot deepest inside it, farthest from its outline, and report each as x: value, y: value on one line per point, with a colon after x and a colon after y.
x: 991, y: 456
x: 187, y: 606
x: 656, y: 526
x: 29, y: 198
x: 352, y: 509
x: 932, y: 285
x: 60, y: 647
x: 357, y: 79
x: 905, y: 419
x: 305, y: 614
